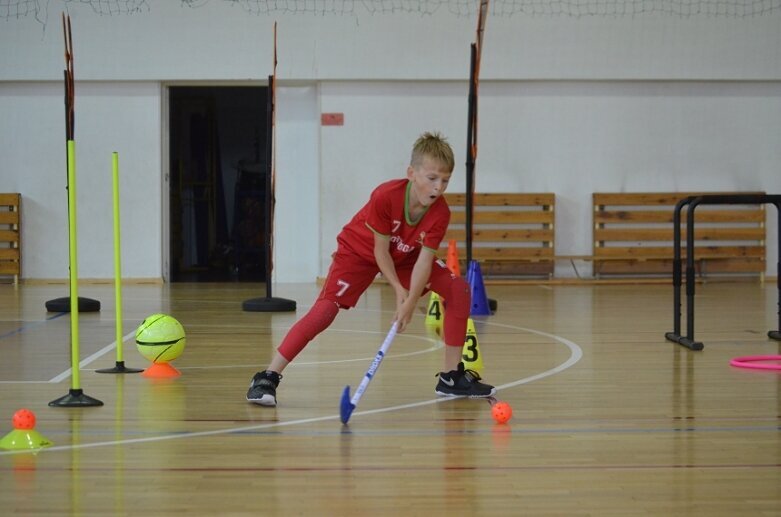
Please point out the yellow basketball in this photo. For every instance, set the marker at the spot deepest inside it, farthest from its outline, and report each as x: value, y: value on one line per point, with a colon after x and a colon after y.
x: 160, y: 338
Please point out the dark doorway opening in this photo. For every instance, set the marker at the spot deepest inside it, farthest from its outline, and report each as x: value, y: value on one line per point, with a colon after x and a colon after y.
x: 217, y: 187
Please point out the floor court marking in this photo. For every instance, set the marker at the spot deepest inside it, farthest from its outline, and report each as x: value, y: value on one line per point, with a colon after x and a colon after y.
x: 111, y: 346
x: 108, y: 348
x: 84, y: 362
x: 437, y: 346
x: 576, y: 353
x: 31, y: 325
x: 87, y: 360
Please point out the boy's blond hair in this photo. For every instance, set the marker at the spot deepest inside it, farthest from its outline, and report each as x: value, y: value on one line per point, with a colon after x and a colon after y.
x: 435, y: 146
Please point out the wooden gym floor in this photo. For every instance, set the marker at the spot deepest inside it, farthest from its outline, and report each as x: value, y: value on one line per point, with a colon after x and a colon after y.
x: 610, y: 419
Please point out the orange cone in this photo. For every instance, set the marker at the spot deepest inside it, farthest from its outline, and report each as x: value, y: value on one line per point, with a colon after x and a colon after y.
x: 452, y: 258
x: 161, y: 371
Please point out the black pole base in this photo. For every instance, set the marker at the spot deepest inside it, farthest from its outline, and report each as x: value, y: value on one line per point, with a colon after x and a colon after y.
x: 75, y: 398
x: 119, y: 368
x: 267, y: 304
x: 64, y: 305
x: 684, y: 341
x: 774, y: 334
x: 492, y: 304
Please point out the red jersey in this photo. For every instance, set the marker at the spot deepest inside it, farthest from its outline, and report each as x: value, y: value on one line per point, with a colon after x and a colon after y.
x: 387, y: 214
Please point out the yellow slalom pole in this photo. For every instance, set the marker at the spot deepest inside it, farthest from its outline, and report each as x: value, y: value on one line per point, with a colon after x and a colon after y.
x: 75, y: 397
x: 119, y: 367
x: 74, y: 266
x: 117, y: 253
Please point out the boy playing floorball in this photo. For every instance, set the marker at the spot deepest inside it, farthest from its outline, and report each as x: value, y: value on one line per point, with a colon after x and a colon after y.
x: 397, y: 234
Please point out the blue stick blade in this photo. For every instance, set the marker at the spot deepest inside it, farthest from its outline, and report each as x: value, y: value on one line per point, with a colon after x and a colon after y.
x: 345, y: 406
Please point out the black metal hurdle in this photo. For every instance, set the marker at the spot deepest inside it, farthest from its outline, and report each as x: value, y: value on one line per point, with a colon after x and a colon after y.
x: 693, y: 202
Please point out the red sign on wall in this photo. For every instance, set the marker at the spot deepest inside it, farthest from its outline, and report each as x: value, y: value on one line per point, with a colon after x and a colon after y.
x: 332, y: 119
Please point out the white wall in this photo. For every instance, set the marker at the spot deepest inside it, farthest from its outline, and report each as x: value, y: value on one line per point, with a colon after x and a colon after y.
x: 571, y: 138
x: 567, y: 105
x: 109, y: 117
x: 298, y: 185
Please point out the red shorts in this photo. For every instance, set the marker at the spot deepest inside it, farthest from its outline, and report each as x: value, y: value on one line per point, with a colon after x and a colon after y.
x: 349, y: 277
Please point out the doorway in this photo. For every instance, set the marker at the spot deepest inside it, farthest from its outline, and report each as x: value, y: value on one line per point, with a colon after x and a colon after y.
x: 217, y: 183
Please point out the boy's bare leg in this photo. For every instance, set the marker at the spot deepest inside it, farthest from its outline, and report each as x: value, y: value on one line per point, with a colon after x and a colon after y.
x: 278, y: 363
x: 452, y: 357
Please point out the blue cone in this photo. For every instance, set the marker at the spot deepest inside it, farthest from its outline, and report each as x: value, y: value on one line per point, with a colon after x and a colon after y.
x: 479, y: 298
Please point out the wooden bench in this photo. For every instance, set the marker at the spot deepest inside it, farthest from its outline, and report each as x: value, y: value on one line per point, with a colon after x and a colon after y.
x: 10, y: 251
x: 512, y: 234
x: 633, y: 235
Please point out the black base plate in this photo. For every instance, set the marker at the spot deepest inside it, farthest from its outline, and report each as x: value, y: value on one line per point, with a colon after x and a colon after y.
x: 64, y: 305
x: 269, y: 305
x: 75, y: 398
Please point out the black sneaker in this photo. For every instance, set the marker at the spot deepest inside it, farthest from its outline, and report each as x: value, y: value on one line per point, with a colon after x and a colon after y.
x: 263, y: 388
x: 462, y: 383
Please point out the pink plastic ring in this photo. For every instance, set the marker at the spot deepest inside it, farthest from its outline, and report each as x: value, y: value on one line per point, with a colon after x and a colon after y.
x: 753, y: 361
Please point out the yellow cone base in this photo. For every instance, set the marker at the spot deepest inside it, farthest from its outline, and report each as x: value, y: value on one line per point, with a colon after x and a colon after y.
x: 161, y: 371
x: 471, y: 355
x: 24, y: 439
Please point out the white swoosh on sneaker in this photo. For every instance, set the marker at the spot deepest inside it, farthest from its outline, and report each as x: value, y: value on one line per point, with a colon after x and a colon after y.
x: 448, y: 382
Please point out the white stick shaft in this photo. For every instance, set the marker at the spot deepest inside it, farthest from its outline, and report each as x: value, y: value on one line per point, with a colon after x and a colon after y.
x: 375, y: 364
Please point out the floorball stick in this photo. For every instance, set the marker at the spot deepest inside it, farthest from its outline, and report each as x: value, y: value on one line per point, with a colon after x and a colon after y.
x: 347, y: 405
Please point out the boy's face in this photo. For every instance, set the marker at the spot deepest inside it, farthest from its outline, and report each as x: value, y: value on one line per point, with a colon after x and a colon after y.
x: 429, y: 180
